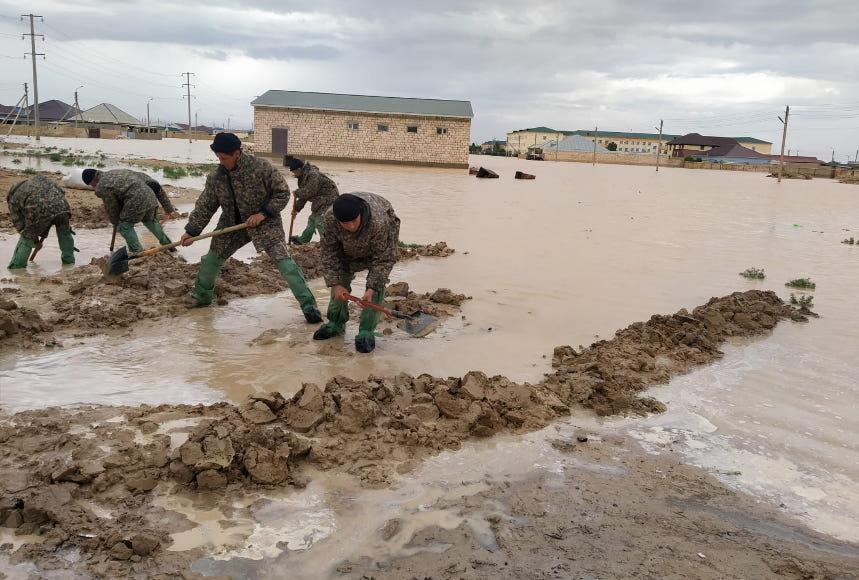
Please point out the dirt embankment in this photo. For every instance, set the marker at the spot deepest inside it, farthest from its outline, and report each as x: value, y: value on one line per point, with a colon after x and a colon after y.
x: 55, y: 462
x: 87, y: 210
x: 81, y: 301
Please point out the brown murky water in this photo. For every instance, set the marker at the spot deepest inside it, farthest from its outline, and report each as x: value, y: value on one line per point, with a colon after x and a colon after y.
x: 574, y: 255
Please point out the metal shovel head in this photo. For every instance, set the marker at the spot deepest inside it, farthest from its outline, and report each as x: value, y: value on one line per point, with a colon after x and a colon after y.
x: 117, y: 265
x: 419, y: 324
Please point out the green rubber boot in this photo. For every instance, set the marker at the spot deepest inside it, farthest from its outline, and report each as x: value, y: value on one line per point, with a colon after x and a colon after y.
x: 154, y: 226
x: 126, y: 230
x: 337, y: 315
x: 293, y: 275
x: 204, y: 289
x: 21, y: 253
x: 370, y: 317
x: 314, y: 224
x: 66, y: 238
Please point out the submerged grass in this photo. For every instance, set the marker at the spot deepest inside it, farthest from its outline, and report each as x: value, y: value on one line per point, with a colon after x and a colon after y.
x: 753, y: 273
x: 806, y: 302
x: 802, y: 284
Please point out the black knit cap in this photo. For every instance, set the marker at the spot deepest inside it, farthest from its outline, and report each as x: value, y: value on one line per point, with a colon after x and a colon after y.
x: 294, y: 163
x: 88, y: 174
x: 226, y: 143
x: 347, y: 207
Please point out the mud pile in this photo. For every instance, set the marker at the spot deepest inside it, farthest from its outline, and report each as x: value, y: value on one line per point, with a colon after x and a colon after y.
x: 854, y: 179
x: 23, y: 325
x: 83, y: 478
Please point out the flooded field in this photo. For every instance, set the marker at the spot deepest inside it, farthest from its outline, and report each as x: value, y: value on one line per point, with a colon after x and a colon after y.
x: 566, y: 259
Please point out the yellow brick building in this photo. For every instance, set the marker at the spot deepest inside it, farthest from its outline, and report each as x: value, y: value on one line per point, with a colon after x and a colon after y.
x: 361, y: 127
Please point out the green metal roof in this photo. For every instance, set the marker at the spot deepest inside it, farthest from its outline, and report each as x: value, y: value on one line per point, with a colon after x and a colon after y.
x: 365, y: 104
x: 622, y: 134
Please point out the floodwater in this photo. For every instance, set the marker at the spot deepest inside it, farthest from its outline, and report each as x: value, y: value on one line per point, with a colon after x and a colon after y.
x: 568, y: 258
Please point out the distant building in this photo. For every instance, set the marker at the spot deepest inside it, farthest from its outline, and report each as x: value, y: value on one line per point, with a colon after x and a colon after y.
x: 694, y: 143
x: 362, y: 127
x: 197, y: 129
x: 490, y: 145
x: 107, y: 114
x: 571, y: 144
x: 52, y: 111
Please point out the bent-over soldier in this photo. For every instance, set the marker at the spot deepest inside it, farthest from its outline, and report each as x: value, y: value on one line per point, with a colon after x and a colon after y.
x: 35, y: 205
x: 131, y: 197
x: 361, y: 232
x: 314, y: 187
x: 249, y: 190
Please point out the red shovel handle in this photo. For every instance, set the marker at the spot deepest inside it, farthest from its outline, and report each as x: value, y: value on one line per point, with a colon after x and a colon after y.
x: 371, y: 305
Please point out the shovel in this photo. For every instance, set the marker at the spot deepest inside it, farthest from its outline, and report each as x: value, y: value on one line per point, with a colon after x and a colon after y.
x: 118, y: 263
x: 113, y: 239
x: 418, y: 324
x: 291, y: 223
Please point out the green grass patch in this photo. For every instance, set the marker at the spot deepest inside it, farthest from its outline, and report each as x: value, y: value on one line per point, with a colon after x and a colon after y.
x: 802, y: 284
x: 68, y: 162
x: 55, y: 157
x: 175, y: 172
x: 16, y: 161
x: 30, y: 171
x: 753, y: 274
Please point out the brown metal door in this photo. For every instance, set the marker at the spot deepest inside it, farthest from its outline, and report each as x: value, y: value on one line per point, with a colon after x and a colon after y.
x: 94, y: 133
x: 279, y: 140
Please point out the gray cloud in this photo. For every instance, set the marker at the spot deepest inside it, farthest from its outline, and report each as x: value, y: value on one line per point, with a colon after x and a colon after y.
x: 725, y: 69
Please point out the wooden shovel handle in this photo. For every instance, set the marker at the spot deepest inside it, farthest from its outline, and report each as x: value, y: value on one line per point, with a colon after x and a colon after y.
x: 211, y: 234
x: 36, y: 249
x: 371, y: 305
x: 113, y: 239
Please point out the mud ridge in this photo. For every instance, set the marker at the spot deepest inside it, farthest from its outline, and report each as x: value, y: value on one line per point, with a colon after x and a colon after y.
x: 81, y: 301
x: 55, y: 464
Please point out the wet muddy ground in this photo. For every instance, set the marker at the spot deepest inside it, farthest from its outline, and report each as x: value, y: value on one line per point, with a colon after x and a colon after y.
x: 564, y: 259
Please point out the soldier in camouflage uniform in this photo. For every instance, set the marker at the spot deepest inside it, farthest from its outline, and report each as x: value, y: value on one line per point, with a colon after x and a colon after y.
x: 315, y: 187
x: 130, y: 197
x: 35, y: 205
x: 361, y: 232
x: 246, y: 189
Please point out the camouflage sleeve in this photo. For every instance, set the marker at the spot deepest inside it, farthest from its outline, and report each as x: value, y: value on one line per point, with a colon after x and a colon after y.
x: 111, y: 204
x: 308, y: 190
x: 206, y: 206
x: 331, y: 259
x: 18, y: 219
x: 278, y: 190
x: 161, y: 195
x: 384, y: 248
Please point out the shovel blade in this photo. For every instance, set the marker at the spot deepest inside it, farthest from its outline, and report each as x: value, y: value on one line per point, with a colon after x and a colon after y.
x: 117, y: 265
x: 419, y: 324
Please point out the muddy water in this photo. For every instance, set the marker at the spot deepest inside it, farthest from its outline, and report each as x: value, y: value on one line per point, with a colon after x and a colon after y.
x: 564, y: 259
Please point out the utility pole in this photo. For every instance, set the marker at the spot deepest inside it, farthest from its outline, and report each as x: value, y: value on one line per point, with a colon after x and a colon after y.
x: 147, y: 111
x: 856, y: 159
x: 187, y: 84
x: 596, y: 130
x: 783, y: 139
x: 27, y: 106
x: 659, y: 146
x: 557, y: 145
x: 77, y: 107
x: 33, y: 55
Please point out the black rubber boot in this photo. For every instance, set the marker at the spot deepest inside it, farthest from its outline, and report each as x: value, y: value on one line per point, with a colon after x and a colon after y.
x: 312, y: 315
x: 326, y: 331
x: 365, y: 344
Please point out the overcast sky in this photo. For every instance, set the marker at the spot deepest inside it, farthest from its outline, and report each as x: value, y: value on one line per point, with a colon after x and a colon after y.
x: 727, y: 68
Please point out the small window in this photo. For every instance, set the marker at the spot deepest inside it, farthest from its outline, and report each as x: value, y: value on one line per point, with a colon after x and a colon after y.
x: 353, y: 125
x: 441, y: 130
x: 412, y: 129
x: 382, y: 128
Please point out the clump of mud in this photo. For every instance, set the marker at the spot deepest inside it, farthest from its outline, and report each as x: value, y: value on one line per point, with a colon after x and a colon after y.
x: 22, y: 324
x: 787, y: 175
x: 854, y: 179
x: 83, y: 478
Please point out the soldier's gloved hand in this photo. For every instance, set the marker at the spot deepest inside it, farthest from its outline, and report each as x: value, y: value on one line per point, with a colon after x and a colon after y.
x: 255, y: 220
x: 339, y: 292
x: 368, y: 295
x: 186, y: 240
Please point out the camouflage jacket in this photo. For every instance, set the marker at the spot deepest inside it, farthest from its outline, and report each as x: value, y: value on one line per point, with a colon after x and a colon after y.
x: 254, y: 186
x: 315, y: 187
x: 131, y: 196
x: 34, y: 204
x: 373, y: 247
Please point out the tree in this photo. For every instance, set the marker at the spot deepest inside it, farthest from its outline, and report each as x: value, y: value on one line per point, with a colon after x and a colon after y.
x: 611, y: 146
x: 474, y: 148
